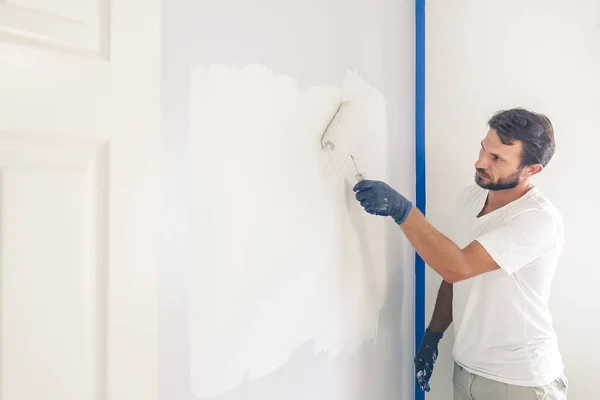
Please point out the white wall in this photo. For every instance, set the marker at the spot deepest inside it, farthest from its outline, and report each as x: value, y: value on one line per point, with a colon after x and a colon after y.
x: 545, y: 55
x: 314, y: 42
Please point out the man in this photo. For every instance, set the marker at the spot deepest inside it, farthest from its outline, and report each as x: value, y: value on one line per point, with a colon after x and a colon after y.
x: 497, y: 272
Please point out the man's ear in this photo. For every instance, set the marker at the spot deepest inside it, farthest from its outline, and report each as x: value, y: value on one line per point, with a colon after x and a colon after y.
x: 532, y: 170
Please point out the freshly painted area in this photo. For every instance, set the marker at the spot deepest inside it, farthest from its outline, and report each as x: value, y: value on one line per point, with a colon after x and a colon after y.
x: 318, y: 267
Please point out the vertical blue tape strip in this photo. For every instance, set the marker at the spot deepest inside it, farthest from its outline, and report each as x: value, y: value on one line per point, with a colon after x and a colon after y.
x: 420, y: 170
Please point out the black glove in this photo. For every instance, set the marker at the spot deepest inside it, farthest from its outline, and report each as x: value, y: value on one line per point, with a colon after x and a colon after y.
x: 426, y: 357
x: 378, y: 198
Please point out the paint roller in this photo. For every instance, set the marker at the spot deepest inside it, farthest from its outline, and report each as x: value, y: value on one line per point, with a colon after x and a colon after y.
x: 330, y: 140
x: 331, y: 136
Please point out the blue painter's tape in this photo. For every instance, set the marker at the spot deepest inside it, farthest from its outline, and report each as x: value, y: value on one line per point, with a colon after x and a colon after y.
x: 420, y: 171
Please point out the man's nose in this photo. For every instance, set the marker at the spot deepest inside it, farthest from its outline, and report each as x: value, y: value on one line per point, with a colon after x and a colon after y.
x: 481, y: 163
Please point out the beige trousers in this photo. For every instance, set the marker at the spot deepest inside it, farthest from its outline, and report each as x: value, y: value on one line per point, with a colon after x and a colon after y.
x: 473, y: 387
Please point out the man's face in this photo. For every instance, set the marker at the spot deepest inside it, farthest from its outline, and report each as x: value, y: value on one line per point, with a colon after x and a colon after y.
x: 499, y: 165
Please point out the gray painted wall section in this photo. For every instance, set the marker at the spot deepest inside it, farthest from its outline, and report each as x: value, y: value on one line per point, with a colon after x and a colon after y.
x: 315, y: 41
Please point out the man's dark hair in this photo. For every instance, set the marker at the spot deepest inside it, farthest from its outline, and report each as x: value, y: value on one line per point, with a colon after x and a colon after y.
x: 534, y: 130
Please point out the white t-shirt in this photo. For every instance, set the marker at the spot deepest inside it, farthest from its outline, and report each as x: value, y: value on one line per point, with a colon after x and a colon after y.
x: 502, y: 324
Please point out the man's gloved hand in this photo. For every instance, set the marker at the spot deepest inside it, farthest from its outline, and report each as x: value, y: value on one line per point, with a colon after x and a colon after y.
x: 426, y: 357
x: 379, y: 198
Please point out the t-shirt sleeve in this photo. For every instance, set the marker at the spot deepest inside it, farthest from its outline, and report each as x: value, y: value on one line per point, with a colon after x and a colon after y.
x: 521, y: 240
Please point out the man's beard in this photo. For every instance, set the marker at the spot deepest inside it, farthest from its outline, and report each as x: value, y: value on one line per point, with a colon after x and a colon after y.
x: 502, y: 184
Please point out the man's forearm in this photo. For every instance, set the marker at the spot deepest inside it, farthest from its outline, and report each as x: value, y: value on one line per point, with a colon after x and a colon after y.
x: 439, y: 252
x: 442, y: 313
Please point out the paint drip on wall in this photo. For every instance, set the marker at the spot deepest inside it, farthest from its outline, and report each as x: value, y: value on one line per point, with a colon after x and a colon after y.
x: 282, y: 252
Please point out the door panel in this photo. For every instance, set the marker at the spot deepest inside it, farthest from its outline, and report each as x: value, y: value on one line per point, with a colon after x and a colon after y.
x: 79, y: 199
x: 77, y: 26
x: 53, y: 255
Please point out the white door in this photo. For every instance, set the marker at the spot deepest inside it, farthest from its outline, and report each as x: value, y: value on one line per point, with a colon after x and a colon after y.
x: 79, y: 199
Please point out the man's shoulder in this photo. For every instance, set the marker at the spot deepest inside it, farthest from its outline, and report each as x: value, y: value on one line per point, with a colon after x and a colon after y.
x: 537, y: 211
x: 537, y: 201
